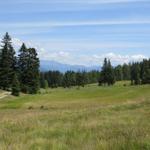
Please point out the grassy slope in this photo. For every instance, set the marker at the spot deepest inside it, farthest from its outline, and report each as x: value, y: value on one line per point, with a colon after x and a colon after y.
x: 93, y: 118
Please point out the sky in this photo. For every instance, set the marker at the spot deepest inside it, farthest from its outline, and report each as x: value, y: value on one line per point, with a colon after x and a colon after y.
x: 80, y: 31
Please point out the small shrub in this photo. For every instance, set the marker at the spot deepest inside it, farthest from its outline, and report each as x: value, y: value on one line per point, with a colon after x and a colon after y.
x: 124, y: 84
x: 30, y: 107
x: 42, y: 107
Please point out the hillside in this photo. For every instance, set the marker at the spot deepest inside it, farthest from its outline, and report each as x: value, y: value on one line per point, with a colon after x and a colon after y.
x: 90, y: 118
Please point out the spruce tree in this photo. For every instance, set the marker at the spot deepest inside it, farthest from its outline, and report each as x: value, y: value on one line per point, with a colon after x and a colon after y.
x: 145, y: 71
x: 135, y: 74
x: 28, y: 70
x: 42, y: 80
x: 79, y: 79
x: 7, y: 63
x: 67, y: 80
x: 32, y: 74
x: 146, y: 77
x: 126, y: 71
x: 23, y: 67
x: 118, y: 73
x: 107, y: 76
x: 110, y: 74
x: 15, y: 86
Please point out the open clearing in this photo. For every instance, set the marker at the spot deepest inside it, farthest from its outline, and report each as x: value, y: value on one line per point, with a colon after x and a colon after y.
x: 92, y: 118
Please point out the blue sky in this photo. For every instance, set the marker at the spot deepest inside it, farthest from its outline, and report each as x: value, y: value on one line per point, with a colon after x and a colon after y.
x: 80, y: 31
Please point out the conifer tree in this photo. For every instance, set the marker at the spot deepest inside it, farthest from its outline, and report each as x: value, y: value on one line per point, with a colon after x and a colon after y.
x: 7, y: 63
x: 68, y: 79
x: 28, y: 70
x: 126, y: 71
x: 110, y: 74
x: 146, y: 77
x: 15, y: 86
x: 32, y: 74
x: 42, y: 80
x: 118, y: 73
x: 135, y: 74
x: 145, y: 72
x: 79, y: 79
x: 23, y: 67
x: 107, y: 74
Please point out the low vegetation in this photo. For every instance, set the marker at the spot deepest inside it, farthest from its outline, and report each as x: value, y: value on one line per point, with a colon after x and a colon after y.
x: 89, y: 118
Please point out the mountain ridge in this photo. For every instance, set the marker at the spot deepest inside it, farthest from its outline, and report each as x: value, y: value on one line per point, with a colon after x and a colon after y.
x: 46, y: 65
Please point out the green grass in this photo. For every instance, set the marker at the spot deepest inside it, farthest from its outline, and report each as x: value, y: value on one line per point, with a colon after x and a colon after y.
x: 90, y: 118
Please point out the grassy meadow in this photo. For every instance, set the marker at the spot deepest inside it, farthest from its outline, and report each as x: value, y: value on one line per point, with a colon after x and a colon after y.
x: 90, y: 118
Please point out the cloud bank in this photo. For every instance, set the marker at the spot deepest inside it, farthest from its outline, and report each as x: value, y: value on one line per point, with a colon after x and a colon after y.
x: 87, y: 60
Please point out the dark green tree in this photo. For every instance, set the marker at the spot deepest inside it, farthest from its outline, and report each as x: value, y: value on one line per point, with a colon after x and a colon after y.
x: 93, y: 76
x: 15, y: 86
x: 28, y: 70
x: 54, y: 78
x: 145, y: 71
x: 107, y: 76
x: 7, y: 63
x: 103, y: 74
x: 111, y: 75
x: 69, y: 79
x: 84, y: 78
x: 126, y: 72
x: 42, y: 80
x: 118, y: 73
x: 146, y: 77
x: 23, y: 67
x: 32, y: 74
x: 135, y: 74
x: 79, y: 79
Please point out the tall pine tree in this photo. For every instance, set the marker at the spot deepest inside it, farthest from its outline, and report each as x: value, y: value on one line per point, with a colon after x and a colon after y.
x: 107, y: 75
x: 135, y: 74
x: 23, y: 67
x: 28, y: 70
x: 32, y: 74
x: 110, y: 74
x: 7, y: 63
x: 145, y: 71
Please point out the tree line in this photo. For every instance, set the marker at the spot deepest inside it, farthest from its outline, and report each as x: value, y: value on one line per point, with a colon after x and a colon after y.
x: 54, y: 79
x: 18, y: 73
x: 136, y: 72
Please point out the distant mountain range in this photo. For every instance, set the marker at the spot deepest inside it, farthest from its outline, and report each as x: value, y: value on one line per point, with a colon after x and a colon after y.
x: 46, y: 65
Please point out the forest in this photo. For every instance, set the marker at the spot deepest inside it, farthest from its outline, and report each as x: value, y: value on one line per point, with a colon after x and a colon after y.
x: 21, y: 73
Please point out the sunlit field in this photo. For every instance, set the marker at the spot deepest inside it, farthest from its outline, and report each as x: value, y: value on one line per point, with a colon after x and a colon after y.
x: 90, y: 118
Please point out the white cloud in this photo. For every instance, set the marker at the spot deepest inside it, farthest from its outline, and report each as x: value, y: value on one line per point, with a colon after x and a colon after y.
x: 119, y: 59
x: 69, y: 58
x: 90, y: 60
